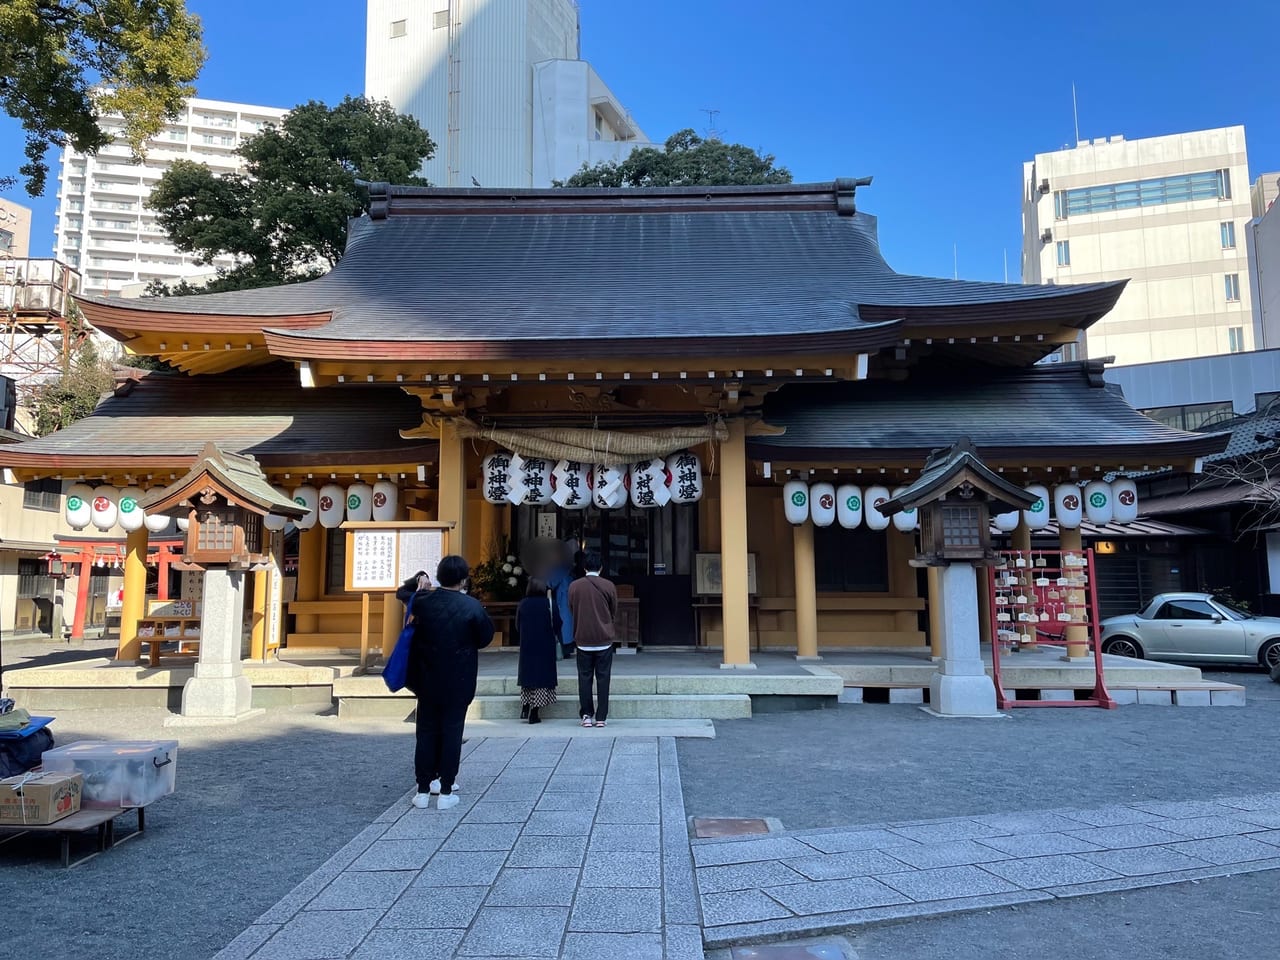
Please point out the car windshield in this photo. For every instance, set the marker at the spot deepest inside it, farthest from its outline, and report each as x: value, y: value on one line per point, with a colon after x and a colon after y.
x: 1232, y: 612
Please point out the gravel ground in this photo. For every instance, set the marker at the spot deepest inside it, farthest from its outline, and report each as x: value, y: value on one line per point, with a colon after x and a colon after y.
x: 874, y: 763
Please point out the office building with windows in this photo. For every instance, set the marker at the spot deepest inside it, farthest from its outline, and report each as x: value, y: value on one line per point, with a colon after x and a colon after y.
x: 104, y: 229
x: 15, y: 229
x: 499, y: 85
x: 1169, y: 214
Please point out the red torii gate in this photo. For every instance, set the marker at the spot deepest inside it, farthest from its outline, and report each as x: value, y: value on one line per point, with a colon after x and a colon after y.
x: 165, y: 553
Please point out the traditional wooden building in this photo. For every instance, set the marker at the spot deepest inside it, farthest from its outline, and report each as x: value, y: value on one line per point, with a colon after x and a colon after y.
x: 622, y: 339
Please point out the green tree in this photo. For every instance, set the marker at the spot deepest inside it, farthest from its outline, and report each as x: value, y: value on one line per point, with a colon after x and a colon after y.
x: 65, y: 62
x: 286, y: 216
x: 686, y: 160
x: 75, y: 393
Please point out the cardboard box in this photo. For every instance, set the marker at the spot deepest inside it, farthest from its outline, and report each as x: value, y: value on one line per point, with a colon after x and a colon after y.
x: 35, y: 799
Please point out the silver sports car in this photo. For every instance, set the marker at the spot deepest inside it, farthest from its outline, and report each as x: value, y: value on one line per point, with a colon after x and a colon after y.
x: 1194, y: 626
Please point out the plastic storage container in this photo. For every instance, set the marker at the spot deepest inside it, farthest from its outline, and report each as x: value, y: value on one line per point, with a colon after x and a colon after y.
x: 121, y: 773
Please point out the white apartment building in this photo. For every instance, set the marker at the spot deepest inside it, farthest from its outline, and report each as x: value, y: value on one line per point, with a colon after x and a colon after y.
x: 499, y: 85
x: 1263, y: 235
x: 1171, y: 214
x: 104, y: 230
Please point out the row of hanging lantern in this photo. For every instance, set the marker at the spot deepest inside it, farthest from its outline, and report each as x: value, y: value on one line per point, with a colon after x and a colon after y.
x: 1097, y: 501
x: 332, y: 503
x: 847, y: 504
x: 106, y: 506
x: 574, y: 485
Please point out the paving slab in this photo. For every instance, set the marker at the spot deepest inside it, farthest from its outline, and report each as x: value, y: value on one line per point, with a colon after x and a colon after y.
x: 946, y: 883
x: 833, y: 896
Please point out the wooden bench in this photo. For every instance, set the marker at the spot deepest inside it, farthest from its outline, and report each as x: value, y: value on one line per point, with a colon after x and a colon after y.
x: 82, y: 821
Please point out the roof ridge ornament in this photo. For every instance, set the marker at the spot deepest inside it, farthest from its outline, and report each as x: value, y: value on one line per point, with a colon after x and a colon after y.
x: 846, y: 188
x: 379, y: 198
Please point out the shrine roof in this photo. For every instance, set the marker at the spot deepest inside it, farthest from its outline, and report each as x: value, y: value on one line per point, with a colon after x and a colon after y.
x: 1009, y: 414
x: 429, y: 271
x: 166, y: 419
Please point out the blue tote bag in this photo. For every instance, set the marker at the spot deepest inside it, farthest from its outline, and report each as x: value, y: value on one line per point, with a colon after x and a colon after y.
x: 396, y: 671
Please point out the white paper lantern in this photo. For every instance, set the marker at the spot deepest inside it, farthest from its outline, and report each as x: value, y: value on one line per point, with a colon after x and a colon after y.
x: 386, y: 500
x: 1037, y: 515
x: 875, y: 519
x: 182, y: 523
x: 849, y: 506
x: 822, y: 504
x: 1124, y: 493
x: 496, y: 474
x: 332, y: 505
x: 360, y: 502
x: 105, y: 512
x: 1067, y: 506
x: 906, y: 520
x: 795, y: 501
x: 132, y: 516
x: 608, y: 486
x: 530, y: 481
x: 571, y: 483
x: 649, y: 484
x: 156, y: 522
x: 1098, y: 505
x: 305, y: 496
x: 275, y: 522
x: 1007, y: 522
x: 79, y: 507
x: 685, y: 470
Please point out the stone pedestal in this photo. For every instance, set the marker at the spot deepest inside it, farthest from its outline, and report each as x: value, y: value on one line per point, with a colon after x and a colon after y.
x: 961, y: 687
x: 219, y: 692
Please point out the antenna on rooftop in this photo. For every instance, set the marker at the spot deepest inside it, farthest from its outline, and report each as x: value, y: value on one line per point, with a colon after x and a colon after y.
x: 710, y: 131
x: 1075, y: 112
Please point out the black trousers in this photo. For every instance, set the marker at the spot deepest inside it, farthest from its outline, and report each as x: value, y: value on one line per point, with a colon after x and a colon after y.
x: 439, y: 748
x: 598, y: 667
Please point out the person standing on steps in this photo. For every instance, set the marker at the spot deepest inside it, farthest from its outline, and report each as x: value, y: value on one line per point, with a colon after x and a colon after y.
x: 558, y: 581
x: 449, y: 630
x: 594, y: 604
x: 537, y: 671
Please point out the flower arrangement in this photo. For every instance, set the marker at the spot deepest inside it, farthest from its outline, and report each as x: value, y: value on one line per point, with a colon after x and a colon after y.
x: 500, y: 577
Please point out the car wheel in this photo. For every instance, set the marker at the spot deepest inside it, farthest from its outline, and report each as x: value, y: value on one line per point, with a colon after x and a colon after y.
x: 1123, y: 647
x: 1269, y: 657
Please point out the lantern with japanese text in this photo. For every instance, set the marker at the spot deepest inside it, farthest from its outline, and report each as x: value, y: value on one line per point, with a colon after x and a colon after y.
x: 386, y: 500
x: 1037, y: 515
x: 332, y: 505
x: 1067, y: 506
x: 876, y: 496
x: 649, y: 483
x: 307, y: 497
x: 132, y: 516
x: 1097, y: 502
x: 795, y: 501
x: 608, y: 486
x: 906, y: 519
x: 686, y: 476
x: 530, y: 481
x: 822, y: 504
x: 105, y: 512
x: 849, y: 506
x: 79, y: 508
x: 496, y: 477
x: 1124, y: 493
x: 571, y: 480
x: 360, y: 502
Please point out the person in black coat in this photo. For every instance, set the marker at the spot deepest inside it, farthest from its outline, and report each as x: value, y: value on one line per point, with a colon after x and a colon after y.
x: 449, y: 629
x: 537, y: 673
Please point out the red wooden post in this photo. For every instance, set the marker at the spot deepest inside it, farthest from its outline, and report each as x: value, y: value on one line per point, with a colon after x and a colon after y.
x: 162, y: 572
x: 82, y: 595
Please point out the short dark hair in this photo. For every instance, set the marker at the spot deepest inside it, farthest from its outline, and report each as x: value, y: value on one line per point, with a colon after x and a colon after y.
x: 452, y: 571
x: 536, y: 588
x: 591, y: 560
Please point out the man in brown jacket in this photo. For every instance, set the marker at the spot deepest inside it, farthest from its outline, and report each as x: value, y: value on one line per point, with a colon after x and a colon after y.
x: 593, y: 602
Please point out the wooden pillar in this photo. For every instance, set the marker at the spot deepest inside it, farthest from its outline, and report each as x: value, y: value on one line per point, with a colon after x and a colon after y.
x: 806, y: 592
x: 735, y: 597
x: 258, y: 628
x: 452, y: 497
x: 1077, y: 634
x: 392, y: 620
x: 1021, y: 543
x: 310, y: 553
x: 935, y: 611
x: 134, y: 605
x: 82, y: 596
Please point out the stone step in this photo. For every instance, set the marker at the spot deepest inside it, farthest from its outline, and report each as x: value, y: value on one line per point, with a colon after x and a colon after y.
x: 820, y: 684
x: 624, y: 707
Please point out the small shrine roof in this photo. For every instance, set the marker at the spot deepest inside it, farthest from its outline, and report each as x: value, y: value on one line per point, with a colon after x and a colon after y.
x: 433, y: 273
x: 236, y: 474
x: 1009, y: 414
x: 945, y: 469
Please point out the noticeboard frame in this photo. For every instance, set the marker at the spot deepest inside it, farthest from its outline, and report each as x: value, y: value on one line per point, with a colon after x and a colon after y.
x: 399, y: 528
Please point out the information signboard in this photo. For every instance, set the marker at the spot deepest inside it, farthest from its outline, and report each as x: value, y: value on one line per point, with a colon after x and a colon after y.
x: 382, y: 555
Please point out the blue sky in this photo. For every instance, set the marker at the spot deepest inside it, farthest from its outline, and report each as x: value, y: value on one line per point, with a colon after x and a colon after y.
x: 941, y: 102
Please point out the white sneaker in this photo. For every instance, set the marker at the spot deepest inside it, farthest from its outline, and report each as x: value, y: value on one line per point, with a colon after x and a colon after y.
x: 447, y: 800
x: 422, y: 800
x: 434, y: 786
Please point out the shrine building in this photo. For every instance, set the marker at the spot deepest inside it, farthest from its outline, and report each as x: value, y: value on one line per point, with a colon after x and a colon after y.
x: 646, y: 372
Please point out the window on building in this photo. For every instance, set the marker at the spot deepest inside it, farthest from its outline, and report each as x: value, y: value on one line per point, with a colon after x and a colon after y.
x: 178, y: 135
x: 440, y: 20
x: 42, y: 495
x: 1103, y: 198
x: 1228, y: 231
x: 399, y: 28
x: 1059, y: 205
x: 1064, y: 253
x: 1224, y: 184
x: 6, y: 241
x: 851, y: 561
x: 32, y: 578
x: 73, y: 259
x: 1232, y: 287
x: 1195, y: 416
x: 1235, y: 339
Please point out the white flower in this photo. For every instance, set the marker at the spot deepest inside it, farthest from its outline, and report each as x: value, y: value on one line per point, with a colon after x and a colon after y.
x: 510, y: 558
x: 506, y: 568
x: 512, y: 581
x: 518, y: 571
